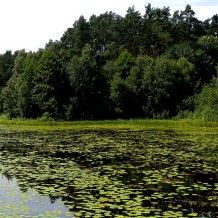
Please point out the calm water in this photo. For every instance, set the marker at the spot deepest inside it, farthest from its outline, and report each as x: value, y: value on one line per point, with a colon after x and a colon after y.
x: 15, y: 202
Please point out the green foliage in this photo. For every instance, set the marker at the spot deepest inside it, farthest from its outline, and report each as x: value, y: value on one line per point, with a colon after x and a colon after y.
x: 126, y: 84
x: 140, y: 65
x: 6, y: 67
x: 156, y: 31
x: 124, y: 62
x: 11, y: 96
x: 165, y: 82
x: 49, y: 77
x: 187, y: 69
x: 207, y: 102
x: 16, y: 97
x: 207, y: 57
x: 25, y: 64
x: 183, y: 49
x: 87, y: 87
x: 210, y: 43
x: 132, y: 30
x: 36, y: 87
x: 124, y: 96
x: 152, y: 87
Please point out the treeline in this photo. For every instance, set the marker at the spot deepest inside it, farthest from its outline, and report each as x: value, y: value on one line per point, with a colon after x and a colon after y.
x: 155, y: 65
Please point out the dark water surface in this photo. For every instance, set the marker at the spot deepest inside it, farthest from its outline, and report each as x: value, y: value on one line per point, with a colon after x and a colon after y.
x: 108, y: 174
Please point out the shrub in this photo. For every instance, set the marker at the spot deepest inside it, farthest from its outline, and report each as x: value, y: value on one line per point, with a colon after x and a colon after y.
x: 206, y: 102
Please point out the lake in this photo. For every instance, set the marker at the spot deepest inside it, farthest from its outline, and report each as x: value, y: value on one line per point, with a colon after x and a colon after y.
x: 106, y: 173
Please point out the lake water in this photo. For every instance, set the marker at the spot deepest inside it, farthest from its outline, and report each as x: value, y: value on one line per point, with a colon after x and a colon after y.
x: 18, y: 203
x: 108, y: 174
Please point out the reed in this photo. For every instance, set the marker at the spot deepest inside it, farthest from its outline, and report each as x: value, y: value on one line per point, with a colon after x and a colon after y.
x: 132, y: 124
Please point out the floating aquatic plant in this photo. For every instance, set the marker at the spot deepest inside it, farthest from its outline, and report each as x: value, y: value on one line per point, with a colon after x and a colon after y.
x: 106, y: 173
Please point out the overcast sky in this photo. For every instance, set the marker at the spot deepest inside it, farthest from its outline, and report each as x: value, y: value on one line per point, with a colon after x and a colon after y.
x: 29, y: 24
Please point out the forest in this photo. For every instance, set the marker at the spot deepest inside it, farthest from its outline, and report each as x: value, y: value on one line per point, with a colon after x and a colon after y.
x: 154, y: 65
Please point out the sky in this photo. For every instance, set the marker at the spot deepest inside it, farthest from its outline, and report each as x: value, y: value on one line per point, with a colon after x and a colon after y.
x: 30, y: 24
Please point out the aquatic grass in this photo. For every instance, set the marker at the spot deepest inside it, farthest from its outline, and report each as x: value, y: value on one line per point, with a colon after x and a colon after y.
x: 132, y: 124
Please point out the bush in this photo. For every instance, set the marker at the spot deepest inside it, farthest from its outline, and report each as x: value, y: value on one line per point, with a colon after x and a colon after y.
x: 206, y: 103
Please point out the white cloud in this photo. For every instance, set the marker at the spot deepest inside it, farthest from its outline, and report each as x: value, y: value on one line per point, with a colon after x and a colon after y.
x: 30, y: 24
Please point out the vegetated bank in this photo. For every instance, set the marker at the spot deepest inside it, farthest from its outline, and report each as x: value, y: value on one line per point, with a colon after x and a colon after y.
x: 119, y: 124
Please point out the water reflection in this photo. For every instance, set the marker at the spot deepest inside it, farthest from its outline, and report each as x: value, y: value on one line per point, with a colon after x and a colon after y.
x: 17, y: 202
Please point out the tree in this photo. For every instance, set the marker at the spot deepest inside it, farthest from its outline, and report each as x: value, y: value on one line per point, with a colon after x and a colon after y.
x: 206, y: 102
x: 186, y: 27
x: 25, y: 64
x: 101, y: 31
x: 120, y: 94
x: 11, y: 96
x: 87, y: 88
x: 16, y: 94
x: 49, y: 85
x: 156, y: 31
x: 6, y: 67
x: 208, y: 59
x: 19, y: 61
x: 210, y: 45
x: 74, y: 39
x: 165, y: 83
x: 213, y: 29
x: 183, y: 49
x: 188, y: 19
x: 124, y: 63
x: 82, y: 34
x: 114, y: 66
x: 126, y: 87
x: 132, y: 31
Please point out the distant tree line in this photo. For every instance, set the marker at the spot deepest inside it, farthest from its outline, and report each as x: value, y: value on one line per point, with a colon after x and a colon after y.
x: 155, y: 65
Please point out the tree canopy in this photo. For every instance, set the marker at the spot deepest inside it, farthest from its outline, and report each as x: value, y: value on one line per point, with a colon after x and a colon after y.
x: 151, y: 65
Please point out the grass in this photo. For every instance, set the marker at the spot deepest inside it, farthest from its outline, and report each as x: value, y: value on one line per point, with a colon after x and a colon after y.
x: 132, y: 124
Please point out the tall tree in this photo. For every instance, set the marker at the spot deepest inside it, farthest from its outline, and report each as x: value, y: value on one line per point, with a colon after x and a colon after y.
x: 213, y: 27
x: 6, y: 67
x: 132, y: 31
x: 10, y: 97
x: 208, y: 58
x: 101, y: 31
x: 87, y: 100
x: 186, y: 27
x: 50, y: 87
x: 75, y: 38
x: 156, y: 31
x: 120, y: 91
